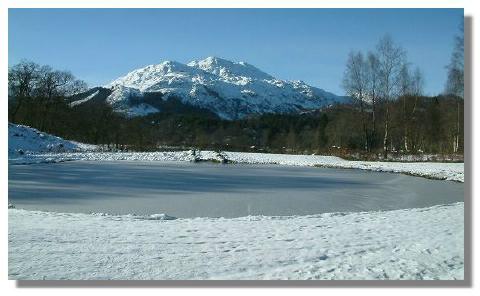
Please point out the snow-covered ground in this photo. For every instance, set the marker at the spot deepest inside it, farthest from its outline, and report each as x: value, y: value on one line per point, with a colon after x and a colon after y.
x: 434, y: 170
x: 403, y: 244
x: 24, y: 141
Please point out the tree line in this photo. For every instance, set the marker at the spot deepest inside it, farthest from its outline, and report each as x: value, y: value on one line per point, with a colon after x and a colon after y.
x: 43, y: 86
x: 382, y: 83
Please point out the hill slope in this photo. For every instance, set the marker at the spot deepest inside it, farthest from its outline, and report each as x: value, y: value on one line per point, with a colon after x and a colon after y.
x: 23, y: 140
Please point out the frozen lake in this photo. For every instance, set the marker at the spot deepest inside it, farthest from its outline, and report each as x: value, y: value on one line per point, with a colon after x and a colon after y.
x: 213, y: 190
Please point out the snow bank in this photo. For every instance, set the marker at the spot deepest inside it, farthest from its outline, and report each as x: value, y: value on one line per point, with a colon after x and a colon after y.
x: 187, y: 155
x: 132, y: 216
x: 434, y: 170
x: 403, y: 244
x: 24, y: 140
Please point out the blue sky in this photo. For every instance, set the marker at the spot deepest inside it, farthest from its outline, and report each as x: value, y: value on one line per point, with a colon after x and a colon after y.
x: 99, y: 45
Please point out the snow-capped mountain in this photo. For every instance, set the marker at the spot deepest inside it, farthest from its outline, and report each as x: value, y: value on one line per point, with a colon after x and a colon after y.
x: 230, y: 89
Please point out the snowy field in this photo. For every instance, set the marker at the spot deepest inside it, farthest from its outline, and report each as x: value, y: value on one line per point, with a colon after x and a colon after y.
x: 403, y: 244
x: 421, y: 243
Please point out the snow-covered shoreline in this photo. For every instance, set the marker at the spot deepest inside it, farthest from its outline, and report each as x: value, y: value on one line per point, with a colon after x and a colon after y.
x: 433, y: 170
x: 27, y: 145
x: 422, y: 243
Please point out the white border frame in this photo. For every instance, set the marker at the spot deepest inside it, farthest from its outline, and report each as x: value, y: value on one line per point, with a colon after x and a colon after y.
x: 470, y: 6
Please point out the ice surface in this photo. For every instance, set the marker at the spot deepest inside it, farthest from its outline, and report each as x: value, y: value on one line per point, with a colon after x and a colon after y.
x: 184, y: 189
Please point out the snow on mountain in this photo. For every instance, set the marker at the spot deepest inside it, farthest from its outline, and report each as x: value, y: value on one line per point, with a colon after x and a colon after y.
x: 228, y: 70
x: 230, y: 89
x: 120, y: 99
x: 23, y: 140
x: 88, y: 98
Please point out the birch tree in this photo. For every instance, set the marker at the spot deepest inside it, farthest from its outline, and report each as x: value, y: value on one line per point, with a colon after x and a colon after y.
x: 355, y: 83
x: 405, y: 87
x: 455, y: 81
x: 391, y: 58
x: 373, y: 84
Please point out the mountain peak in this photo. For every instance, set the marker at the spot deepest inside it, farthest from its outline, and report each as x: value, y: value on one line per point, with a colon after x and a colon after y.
x: 216, y: 60
x: 229, y: 69
x: 210, y: 62
x: 169, y: 66
x: 169, y: 63
x: 146, y: 77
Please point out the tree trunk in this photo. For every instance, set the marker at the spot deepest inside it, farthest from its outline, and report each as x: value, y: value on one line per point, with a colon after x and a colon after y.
x: 413, y: 140
x: 385, y: 137
x: 374, y: 124
x: 457, y: 136
x: 405, y: 125
x: 364, y: 124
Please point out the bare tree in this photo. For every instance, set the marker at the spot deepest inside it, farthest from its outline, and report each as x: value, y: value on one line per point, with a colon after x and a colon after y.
x: 355, y: 83
x: 410, y: 87
x: 405, y: 80
x: 405, y: 89
x: 22, y: 79
x: 77, y: 86
x: 54, y: 84
x: 373, y: 85
x: 418, y: 83
x: 52, y: 87
x: 455, y: 81
x: 391, y: 58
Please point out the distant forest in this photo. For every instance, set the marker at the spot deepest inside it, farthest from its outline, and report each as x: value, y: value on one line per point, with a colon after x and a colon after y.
x: 390, y: 114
